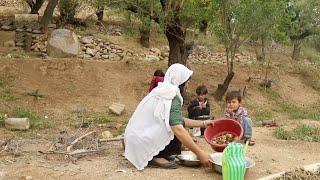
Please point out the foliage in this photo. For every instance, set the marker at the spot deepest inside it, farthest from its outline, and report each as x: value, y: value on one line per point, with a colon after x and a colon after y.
x: 301, y: 132
x: 295, y: 112
x: 36, y: 122
x: 68, y: 9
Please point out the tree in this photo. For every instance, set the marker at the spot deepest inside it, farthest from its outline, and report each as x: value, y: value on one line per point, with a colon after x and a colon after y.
x: 174, y: 16
x: 35, y: 5
x: 302, y: 21
x: 47, y: 16
x: 68, y: 9
x: 266, y: 19
x: 232, y: 23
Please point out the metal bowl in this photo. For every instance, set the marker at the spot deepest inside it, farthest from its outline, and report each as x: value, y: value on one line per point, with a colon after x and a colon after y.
x: 188, y: 158
x: 216, y: 160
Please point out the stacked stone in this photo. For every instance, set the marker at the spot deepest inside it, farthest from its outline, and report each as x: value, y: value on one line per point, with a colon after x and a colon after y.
x: 101, y: 49
x: 26, y: 27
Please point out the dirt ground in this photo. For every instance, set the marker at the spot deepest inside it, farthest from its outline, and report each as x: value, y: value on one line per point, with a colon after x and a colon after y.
x: 271, y: 156
x: 70, y: 84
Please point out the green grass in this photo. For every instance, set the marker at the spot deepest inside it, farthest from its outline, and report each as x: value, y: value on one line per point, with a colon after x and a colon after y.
x: 7, y: 95
x: 301, y: 132
x: 131, y: 30
x: 260, y: 114
x: 271, y: 93
x: 88, y: 118
x: 295, y: 112
x: 36, y: 122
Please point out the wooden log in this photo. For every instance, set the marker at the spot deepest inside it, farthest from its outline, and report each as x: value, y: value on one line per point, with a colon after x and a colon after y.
x: 17, y: 123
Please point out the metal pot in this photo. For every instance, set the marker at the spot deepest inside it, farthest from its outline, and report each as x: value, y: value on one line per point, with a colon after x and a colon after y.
x: 216, y: 160
x: 187, y: 158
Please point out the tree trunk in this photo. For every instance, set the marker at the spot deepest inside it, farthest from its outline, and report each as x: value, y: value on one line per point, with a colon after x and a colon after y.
x: 296, y: 50
x: 99, y: 13
x: 179, y: 50
x: 35, y: 8
x: 260, y: 49
x: 144, y: 36
x: 222, y: 88
x: 47, y: 16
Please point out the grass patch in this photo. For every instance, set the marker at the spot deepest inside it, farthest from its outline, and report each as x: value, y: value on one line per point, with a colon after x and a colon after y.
x: 7, y: 95
x: 301, y: 132
x: 295, y: 112
x: 131, y: 30
x: 262, y: 114
x: 270, y: 92
x: 36, y: 122
x: 88, y: 118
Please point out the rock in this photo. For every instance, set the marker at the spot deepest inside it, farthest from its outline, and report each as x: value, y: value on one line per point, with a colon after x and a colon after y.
x: 90, y: 52
x: 117, y: 108
x: 104, y: 56
x: 87, y: 40
x: 26, y: 18
x: 9, y: 43
x: 150, y: 57
x: 63, y: 43
x: 156, y: 51
x: 29, y: 30
x: 20, y: 44
x: 36, y: 31
x: 19, y: 30
x: 106, y: 134
x: 89, y: 46
x: 6, y: 28
x: 52, y: 26
x: 87, y: 56
x: 117, y: 33
x: 28, y: 177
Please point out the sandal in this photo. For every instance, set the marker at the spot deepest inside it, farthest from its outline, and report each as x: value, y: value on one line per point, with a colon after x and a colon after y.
x: 251, y: 142
x: 169, y: 165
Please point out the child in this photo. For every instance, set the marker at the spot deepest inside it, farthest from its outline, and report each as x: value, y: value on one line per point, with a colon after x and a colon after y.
x: 199, y: 108
x: 237, y: 112
x: 158, y: 76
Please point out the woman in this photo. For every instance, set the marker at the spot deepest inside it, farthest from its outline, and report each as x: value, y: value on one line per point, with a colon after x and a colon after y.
x: 156, y: 128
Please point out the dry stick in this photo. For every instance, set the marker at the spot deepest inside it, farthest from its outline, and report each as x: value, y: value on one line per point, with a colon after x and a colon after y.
x: 76, y: 152
x: 111, y: 139
x: 78, y: 139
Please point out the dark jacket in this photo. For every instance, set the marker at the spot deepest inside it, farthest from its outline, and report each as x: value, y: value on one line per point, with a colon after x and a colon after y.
x: 194, y: 111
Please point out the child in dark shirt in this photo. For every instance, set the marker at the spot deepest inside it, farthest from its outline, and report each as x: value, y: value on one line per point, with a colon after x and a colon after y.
x: 199, y: 108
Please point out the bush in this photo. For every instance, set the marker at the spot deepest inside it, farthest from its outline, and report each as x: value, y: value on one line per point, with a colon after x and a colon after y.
x: 68, y: 10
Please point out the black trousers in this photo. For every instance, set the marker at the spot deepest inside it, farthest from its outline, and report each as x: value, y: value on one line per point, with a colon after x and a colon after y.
x: 173, y: 148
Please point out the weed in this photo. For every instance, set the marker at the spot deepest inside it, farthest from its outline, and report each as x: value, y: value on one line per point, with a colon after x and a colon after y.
x: 301, y: 132
x: 295, y: 112
x: 130, y: 30
x: 7, y: 95
x: 271, y: 93
x: 36, y: 122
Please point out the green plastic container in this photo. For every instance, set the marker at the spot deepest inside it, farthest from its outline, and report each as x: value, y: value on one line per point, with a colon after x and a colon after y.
x: 233, y: 162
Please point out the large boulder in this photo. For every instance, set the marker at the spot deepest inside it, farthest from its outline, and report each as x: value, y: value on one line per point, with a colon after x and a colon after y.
x: 63, y: 43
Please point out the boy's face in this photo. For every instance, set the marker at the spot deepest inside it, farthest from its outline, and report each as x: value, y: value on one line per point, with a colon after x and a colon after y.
x: 202, y: 97
x: 233, y: 104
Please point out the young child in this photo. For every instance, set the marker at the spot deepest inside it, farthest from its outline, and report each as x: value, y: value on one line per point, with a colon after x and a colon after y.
x: 237, y: 112
x: 199, y: 108
x: 158, y: 76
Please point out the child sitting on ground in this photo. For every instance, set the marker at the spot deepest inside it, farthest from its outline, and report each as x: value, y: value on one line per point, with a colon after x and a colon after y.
x: 158, y: 76
x: 199, y: 108
x: 237, y: 112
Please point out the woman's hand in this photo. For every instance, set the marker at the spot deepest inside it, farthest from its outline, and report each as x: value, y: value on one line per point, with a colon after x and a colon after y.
x: 204, y: 159
x: 207, y: 123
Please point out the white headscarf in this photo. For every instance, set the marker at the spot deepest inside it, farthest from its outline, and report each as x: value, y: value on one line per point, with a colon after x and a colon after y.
x: 148, y: 130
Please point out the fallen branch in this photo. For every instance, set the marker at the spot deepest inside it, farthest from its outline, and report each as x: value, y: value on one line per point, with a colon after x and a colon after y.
x: 111, y: 139
x: 78, y: 139
x: 75, y: 152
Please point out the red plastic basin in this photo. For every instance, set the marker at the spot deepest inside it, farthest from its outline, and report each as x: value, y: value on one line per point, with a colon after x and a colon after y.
x: 222, y: 126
